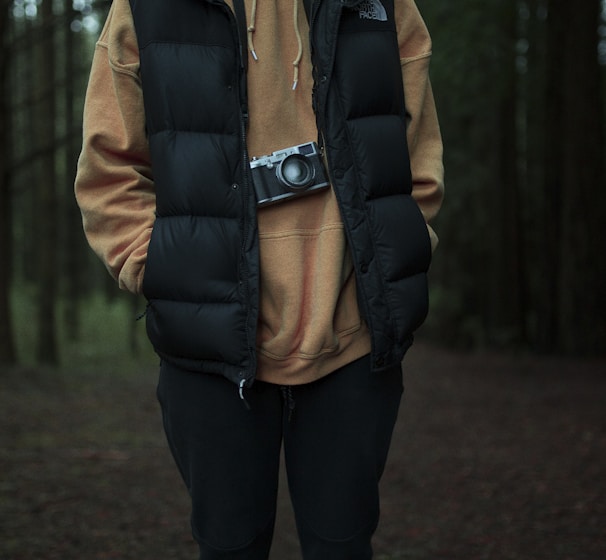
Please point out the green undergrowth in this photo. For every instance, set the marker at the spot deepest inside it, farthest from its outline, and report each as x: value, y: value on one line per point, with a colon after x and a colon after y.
x: 107, y: 335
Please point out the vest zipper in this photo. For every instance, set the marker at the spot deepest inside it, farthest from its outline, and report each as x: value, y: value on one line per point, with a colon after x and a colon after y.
x: 245, y: 380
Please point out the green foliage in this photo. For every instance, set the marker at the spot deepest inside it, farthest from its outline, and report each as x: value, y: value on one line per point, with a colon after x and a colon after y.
x: 109, y: 334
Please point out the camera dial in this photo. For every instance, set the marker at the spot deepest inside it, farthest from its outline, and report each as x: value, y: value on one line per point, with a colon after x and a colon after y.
x: 295, y: 172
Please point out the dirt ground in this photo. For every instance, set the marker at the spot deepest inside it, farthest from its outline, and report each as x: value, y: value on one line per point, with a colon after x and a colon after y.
x: 494, y: 457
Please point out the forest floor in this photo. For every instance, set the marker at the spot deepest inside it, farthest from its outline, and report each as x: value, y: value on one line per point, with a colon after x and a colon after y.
x: 494, y: 457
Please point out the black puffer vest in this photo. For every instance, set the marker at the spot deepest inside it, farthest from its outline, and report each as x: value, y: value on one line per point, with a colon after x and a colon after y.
x: 202, y: 271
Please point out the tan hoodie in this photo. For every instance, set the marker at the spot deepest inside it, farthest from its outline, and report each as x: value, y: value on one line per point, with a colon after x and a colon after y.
x: 309, y: 321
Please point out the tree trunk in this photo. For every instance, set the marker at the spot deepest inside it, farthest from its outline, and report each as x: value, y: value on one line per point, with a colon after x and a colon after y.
x: 508, y: 316
x: 7, y: 348
x: 75, y: 259
x: 46, y: 198
x: 581, y: 296
x: 533, y: 176
x: 548, y: 265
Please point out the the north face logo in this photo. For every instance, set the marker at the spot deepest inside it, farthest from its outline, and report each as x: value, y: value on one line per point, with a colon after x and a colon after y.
x: 372, y: 9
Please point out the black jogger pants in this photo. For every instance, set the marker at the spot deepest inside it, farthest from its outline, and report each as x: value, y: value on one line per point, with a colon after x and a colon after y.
x: 336, y: 434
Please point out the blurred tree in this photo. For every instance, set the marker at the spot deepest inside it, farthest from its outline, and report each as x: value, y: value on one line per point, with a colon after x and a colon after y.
x: 507, y: 310
x: 7, y: 347
x: 46, y: 190
x: 572, y: 301
x: 548, y: 261
x: 518, y: 86
x: 474, y: 277
x: 581, y: 297
x: 74, y: 256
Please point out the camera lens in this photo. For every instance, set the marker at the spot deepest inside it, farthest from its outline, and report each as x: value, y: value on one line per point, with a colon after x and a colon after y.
x: 295, y: 172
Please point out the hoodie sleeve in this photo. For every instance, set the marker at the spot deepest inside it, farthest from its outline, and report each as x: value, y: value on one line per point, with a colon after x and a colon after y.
x: 114, y: 185
x: 424, y: 137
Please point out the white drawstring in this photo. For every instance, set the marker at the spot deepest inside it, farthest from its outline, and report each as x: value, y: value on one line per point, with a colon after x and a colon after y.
x: 297, y: 60
x: 250, y: 30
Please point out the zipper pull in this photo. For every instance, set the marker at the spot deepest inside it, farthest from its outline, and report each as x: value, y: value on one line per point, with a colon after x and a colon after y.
x: 241, y: 393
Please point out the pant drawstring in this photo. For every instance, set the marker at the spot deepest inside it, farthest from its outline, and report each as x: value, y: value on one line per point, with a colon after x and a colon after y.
x: 289, y: 400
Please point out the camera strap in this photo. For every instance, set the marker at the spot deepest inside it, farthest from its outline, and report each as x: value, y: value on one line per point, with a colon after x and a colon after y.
x: 240, y: 13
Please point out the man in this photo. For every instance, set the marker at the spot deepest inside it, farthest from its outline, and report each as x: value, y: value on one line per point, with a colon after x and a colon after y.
x: 248, y: 169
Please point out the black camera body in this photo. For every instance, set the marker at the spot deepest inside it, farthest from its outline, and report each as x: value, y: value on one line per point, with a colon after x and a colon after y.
x: 291, y: 172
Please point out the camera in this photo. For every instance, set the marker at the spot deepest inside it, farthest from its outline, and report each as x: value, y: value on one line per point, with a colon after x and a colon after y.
x: 287, y: 173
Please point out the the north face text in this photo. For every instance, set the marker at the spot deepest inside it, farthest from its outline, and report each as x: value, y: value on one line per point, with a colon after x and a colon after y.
x: 372, y: 9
